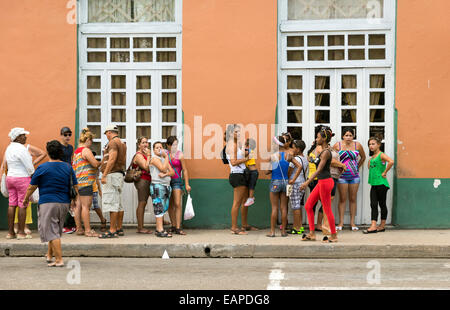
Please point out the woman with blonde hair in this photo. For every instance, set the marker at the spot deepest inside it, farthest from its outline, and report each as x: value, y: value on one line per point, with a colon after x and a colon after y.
x: 85, y: 166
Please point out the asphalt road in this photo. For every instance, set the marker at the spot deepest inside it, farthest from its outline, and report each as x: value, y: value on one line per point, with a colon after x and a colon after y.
x: 224, y: 274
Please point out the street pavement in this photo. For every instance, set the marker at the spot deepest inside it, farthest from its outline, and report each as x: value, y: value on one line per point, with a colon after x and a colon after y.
x: 203, y: 243
x: 90, y: 273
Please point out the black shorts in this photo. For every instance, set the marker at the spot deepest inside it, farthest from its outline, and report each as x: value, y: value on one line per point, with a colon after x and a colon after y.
x: 237, y: 179
x: 251, y: 177
x: 86, y: 191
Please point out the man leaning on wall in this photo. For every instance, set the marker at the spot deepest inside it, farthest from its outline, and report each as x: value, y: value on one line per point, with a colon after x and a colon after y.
x: 113, y: 171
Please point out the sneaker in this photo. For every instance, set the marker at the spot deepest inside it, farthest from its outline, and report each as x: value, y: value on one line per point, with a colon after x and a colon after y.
x: 249, y: 202
x: 297, y: 232
x: 68, y: 230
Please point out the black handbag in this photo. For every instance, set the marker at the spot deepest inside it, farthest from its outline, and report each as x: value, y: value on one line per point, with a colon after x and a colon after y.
x: 72, y: 192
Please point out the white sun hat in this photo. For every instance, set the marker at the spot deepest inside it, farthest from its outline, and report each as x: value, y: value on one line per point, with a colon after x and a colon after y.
x: 15, y: 132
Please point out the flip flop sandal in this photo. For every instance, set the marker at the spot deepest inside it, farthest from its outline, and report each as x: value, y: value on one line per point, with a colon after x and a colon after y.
x: 79, y: 232
x: 108, y: 235
x: 172, y: 229
x: 370, y: 231
x: 354, y: 228
x: 48, y: 260
x: 271, y: 235
x: 55, y: 265
x: 284, y: 235
x: 92, y: 233
x: 163, y: 234
x: 148, y: 232
x: 251, y: 228
x: 179, y: 231
x: 338, y: 227
x: 238, y: 232
x: 330, y: 241
x: 120, y: 232
x: 307, y: 238
x: 9, y: 236
x: 382, y: 230
x: 24, y: 237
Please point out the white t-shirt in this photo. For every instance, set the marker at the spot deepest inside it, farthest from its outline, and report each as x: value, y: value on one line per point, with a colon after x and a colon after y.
x: 239, y: 168
x: 19, y: 161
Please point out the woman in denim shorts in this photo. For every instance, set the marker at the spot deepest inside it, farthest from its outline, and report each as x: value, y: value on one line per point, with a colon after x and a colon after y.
x: 278, y: 199
x: 176, y: 160
x: 348, y: 184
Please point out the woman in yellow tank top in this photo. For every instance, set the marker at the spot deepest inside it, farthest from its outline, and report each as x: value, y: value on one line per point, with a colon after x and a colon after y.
x: 313, y: 152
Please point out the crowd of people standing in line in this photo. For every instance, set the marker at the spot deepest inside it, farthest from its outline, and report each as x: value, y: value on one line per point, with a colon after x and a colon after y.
x: 323, y: 169
x: 69, y: 186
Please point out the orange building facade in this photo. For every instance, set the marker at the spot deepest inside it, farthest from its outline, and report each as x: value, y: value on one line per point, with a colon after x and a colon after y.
x: 189, y: 68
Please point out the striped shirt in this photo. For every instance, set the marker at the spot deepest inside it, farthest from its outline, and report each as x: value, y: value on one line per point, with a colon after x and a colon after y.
x: 85, y: 173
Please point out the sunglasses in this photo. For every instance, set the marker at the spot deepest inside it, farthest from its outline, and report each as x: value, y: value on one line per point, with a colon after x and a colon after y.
x: 67, y: 135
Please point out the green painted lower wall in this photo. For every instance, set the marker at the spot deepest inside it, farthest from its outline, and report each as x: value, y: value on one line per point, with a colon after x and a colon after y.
x: 212, y: 200
x: 420, y: 205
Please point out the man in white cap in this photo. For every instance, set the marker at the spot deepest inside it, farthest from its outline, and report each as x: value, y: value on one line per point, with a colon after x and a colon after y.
x: 19, y: 164
x: 113, y: 172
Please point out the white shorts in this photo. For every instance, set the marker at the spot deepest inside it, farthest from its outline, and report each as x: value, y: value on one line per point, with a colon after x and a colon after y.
x: 112, y: 193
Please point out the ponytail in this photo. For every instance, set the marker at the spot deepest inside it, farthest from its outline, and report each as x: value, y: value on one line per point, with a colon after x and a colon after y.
x: 86, y: 134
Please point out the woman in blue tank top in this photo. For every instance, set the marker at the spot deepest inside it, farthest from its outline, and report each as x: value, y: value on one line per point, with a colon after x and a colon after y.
x: 278, y: 199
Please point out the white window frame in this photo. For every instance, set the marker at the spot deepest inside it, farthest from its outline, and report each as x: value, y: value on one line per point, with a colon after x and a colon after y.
x: 387, y: 62
x: 155, y: 69
x: 386, y: 22
x: 306, y: 68
x: 157, y: 27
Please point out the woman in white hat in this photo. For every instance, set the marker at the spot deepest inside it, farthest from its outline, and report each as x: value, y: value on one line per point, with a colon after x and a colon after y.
x: 19, y: 164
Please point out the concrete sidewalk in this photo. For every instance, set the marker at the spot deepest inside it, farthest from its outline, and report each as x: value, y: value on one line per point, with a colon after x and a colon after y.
x: 394, y: 243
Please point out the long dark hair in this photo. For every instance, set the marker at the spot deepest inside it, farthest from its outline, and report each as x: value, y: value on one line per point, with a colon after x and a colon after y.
x: 314, y: 145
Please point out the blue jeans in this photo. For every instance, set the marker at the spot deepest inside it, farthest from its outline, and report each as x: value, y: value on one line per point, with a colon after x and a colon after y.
x: 177, y: 183
x: 278, y: 186
x: 356, y: 180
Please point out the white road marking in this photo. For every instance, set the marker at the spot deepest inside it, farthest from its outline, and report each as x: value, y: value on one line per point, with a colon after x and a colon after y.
x: 277, y: 275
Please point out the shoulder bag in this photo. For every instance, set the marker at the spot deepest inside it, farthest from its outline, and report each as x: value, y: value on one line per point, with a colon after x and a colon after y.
x: 133, y: 174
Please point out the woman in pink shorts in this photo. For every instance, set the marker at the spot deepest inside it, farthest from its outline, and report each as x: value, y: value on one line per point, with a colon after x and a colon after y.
x: 19, y: 165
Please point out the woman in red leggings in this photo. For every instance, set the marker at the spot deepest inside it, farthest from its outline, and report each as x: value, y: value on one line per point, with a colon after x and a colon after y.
x: 323, y: 188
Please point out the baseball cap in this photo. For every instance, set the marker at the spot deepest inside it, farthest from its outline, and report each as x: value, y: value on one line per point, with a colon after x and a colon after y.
x: 15, y: 132
x: 65, y: 130
x: 112, y: 128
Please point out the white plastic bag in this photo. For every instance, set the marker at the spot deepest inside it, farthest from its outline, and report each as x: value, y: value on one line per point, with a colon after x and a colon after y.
x: 4, y: 188
x: 189, y: 211
x: 35, y: 196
